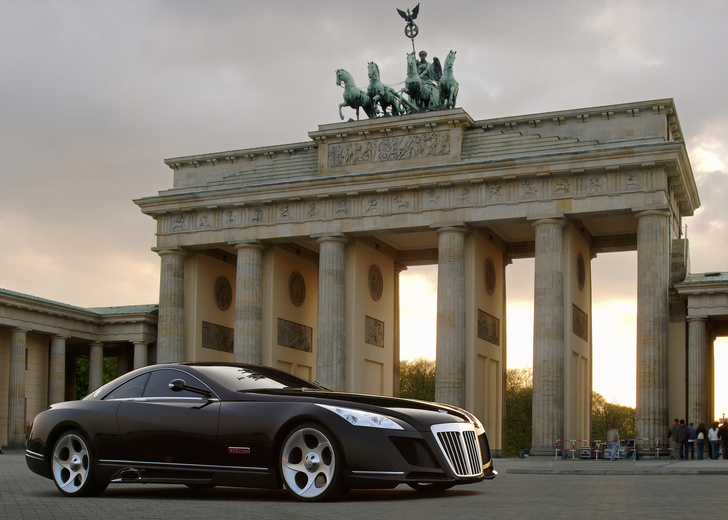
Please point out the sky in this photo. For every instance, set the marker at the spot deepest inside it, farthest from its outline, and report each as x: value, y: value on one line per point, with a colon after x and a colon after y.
x: 94, y: 95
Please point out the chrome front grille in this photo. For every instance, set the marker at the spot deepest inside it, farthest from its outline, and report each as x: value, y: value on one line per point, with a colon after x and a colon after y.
x: 459, y: 444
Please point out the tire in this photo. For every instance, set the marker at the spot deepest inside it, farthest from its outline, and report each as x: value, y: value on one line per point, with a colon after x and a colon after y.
x: 311, y: 464
x: 72, y: 466
x: 431, y: 487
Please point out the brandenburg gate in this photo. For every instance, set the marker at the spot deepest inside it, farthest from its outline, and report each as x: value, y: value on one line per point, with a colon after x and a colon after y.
x: 290, y: 255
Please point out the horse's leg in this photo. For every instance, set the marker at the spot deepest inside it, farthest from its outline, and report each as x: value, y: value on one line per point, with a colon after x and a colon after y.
x: 340, y: 114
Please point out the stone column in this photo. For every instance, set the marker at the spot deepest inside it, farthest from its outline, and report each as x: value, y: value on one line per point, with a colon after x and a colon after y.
x: 398, y: 268
x: 95, y: 366
x: 170, y: 326
x: 697, y: 371
x: 331, y: 333
x: 548, y: 337
x: 57, y: 383
x: 653, y: 271
x: 450, y: 348
x: 141, y: 350
x: 248, y: 342
x: 16, y: 394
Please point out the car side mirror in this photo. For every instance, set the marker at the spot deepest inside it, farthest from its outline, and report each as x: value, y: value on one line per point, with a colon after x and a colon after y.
x: 177, y: 385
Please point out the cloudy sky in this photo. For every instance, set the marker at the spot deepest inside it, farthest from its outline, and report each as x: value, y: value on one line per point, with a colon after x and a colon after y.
x: 95, y: 94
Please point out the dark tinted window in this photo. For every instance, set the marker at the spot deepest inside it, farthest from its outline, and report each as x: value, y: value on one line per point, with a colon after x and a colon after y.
x: 159, y: 380
x: 130, y: 389
x: 253, y: 378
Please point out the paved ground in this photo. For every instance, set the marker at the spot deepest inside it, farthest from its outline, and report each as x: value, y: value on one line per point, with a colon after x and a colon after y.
x: 526, y: 489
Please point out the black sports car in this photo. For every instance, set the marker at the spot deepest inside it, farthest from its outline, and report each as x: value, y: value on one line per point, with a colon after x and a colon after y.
x: 210, y: 424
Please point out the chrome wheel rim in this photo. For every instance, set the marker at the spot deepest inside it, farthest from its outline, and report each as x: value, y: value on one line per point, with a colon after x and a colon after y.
x: 71, y: 463
x: 308, y: 463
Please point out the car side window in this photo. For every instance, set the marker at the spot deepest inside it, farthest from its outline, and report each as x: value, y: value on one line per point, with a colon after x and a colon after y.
x: 159, y: 380
x: 131, y: 389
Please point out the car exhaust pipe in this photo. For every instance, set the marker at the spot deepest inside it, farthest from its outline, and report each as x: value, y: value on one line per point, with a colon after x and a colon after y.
x: 127, y: 475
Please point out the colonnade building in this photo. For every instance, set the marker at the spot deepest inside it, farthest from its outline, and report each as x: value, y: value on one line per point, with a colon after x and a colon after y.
x: 290, y: 255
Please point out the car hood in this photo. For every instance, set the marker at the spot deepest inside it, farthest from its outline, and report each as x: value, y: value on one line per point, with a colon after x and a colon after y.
x: 424, y: 411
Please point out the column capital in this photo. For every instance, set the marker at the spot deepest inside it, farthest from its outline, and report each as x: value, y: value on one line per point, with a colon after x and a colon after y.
x: 652, y: 213
x: 457, y: 227
x: 332, y: 237
x: 247, y: 244
x: 176, y: 251
x: 550, y: 221
x: 696, y: 319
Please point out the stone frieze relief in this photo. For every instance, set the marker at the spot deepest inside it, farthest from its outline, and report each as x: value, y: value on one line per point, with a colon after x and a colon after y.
x: 399, y: 148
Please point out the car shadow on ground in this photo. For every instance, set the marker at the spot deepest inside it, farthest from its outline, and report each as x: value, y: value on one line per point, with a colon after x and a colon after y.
x: 169, y: 492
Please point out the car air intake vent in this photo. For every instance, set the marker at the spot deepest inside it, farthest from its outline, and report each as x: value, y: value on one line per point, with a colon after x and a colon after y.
x: 459, y: 444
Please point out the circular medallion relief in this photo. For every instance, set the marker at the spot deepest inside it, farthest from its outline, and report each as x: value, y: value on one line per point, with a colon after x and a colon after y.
x: 489, y: 276
x: 296, y: 288
x: 223, y: 293
x: 376, y: 285
x: 581, y: 271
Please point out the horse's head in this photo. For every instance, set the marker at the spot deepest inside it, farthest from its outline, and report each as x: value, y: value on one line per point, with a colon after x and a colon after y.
x: 411, y: 63
x: 450, y: 60
x: 373, y: 70
x: 342, y: 77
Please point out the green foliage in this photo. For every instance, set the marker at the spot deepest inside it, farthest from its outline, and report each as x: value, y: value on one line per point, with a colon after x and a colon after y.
x: 604, y: 414
x: 417, y: 379
x: 519, y: 398
x: 110, y: 372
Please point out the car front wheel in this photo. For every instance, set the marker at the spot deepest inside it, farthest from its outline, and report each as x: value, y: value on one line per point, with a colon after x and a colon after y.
x: 311, y: 464
x: 72, y: 466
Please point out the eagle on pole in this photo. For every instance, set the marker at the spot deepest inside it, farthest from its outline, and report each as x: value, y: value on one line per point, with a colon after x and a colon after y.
x: 411, y: 30
x: 409, y: 15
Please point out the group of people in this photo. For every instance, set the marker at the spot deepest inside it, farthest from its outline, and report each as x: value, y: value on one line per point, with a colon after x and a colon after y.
x: 687, y: 437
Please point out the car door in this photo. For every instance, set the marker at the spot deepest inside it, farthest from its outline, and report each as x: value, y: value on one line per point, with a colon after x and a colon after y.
x: 170, y: 427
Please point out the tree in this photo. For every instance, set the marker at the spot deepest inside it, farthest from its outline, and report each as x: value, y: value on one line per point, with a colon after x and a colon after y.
x: 110, y: 372
x: 519, y: 399
x: 417, y: 379
x: 604, y: 414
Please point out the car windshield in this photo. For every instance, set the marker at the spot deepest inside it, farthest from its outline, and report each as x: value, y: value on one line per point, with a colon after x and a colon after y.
x: 253, y: 378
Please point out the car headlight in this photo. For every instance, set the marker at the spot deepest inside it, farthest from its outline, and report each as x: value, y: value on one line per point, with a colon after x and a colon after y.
x: 364, y: 418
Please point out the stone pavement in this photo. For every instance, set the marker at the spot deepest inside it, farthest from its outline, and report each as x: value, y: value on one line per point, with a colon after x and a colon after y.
x: 526, y: 488
x: 644, y: 466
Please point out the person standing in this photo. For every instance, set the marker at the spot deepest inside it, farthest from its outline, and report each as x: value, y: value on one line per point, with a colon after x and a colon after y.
x: 691, y: 441
x: 702, y: 437
x: 723, y: 436
x: 714, y: 441
x: 613, y: 441
x: 682, y: 434
x: 672, y: 435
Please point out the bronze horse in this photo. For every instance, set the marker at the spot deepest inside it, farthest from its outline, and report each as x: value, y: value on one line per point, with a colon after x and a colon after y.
x: 383, y: 96
x: 354, y: 97
x: 423, y: 94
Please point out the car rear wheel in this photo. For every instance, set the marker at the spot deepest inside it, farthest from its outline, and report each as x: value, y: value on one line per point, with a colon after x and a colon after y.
x: 311, y: 464
x: 72, y: 466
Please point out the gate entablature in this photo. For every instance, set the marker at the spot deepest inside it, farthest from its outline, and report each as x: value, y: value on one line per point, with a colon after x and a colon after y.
x: 597, y: 165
